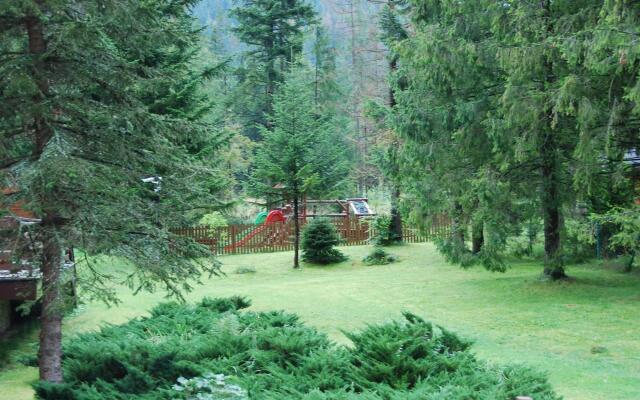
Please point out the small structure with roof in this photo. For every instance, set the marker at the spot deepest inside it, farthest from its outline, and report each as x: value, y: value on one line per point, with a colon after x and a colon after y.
x: 19, y: 279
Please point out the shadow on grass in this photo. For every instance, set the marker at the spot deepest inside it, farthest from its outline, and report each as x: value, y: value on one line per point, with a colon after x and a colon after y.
x: 18, y: 343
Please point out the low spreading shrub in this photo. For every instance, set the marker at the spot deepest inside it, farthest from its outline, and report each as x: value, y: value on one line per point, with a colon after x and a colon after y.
x: 245, y: 270
x: 379, y: 257
x: 212, y: 350
x: 319, y: 239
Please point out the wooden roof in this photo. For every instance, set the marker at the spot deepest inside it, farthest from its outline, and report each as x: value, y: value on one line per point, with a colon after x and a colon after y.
x: 17, y: 208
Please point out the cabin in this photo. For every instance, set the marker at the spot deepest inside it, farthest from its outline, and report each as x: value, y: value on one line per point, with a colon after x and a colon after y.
x: 632, y: 157
x: 18, y: 279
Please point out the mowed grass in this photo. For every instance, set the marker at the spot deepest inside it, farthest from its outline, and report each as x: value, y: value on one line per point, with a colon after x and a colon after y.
x: 513, y: 317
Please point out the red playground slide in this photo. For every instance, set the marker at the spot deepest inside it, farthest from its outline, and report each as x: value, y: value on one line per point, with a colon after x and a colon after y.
x: 272, y: 217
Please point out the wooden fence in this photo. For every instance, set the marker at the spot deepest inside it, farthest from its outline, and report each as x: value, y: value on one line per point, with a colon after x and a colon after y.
x: 248, y: 238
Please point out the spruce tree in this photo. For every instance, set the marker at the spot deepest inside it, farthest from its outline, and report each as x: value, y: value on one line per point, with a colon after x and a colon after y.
x: 503, y: 97
x: 93, y: 104
x: 392, y: 33
x: 300, y: 154
x: 273, y: 30
x: 451, y: 86
x: 319, y: 239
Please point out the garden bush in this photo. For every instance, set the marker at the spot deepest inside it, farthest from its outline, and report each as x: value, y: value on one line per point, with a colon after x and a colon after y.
x: 383, y: 234
x: 379, y: 257
x: 319, y: 239
x: 625, y: 232
x: 271, y: 355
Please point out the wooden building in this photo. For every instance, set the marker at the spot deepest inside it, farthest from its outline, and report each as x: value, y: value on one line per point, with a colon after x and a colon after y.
x: 19, y: 280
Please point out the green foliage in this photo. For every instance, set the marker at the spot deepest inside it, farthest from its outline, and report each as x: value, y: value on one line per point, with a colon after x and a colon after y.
x: 327, y: 91
x: 579, y: 240
x: 213, y: 220
x: 455, y: 252
x: 113, y: 97
x: 626, y: 237
x: 500, y: 98
x: 301, y: 152
x: 384, y: 234
x: 181, y: 350
x: 379, y: 257
x: 319, y: 238
x: 273, y: 30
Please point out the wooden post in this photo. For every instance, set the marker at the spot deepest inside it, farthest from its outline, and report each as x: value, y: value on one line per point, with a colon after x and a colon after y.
x: 233, y: 239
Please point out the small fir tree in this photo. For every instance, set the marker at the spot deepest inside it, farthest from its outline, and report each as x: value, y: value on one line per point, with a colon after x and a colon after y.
x: 301, y: 154
x: 273, y: 30
x: 318, y: 241
x: 379, y: 256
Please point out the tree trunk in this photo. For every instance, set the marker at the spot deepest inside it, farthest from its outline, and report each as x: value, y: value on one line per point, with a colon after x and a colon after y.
x: 551, y: 202
x: 37, y: 48
x: 396, y: 217
x: 458, y: 227
x: 552, y: 216
x: 50, y: 352
x: 393, y: 67
x: 296, y: 224
x: 477, y: 237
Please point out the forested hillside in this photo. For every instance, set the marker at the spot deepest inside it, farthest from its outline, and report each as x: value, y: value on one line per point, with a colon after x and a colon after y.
x: 353, y: 37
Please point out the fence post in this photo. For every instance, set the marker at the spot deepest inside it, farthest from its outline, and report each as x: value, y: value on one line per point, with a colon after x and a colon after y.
x: 233, y: 239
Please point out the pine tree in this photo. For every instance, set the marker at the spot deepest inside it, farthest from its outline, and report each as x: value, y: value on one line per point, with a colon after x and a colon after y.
x: 450, y: 88
x: 300, y: 155
x: 319, y: 239
x: 392, y: 33
x: 274, y: 31
x: 505, y: 97
x: 92, y: 105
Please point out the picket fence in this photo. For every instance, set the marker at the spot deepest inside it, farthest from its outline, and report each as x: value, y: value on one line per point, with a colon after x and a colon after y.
x: 249, y: 238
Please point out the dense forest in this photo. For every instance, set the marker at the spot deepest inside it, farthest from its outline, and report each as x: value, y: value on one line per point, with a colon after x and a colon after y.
x: 517, y: 121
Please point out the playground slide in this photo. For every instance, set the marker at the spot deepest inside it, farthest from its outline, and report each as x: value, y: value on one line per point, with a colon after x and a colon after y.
x: 247, y: 237
x: 264, y: 219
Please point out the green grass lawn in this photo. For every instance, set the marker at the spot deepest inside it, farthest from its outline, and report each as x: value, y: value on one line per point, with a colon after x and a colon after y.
x: 513, y: 317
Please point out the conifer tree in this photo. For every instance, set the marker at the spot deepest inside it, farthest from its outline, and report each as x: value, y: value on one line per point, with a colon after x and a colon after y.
x: 392, y: 33
x: 535, y: 132
x: 273, y: 30
x: 503, y: 97
x: 300, y: 154
x: 92, y: 105
x: 451, y: 85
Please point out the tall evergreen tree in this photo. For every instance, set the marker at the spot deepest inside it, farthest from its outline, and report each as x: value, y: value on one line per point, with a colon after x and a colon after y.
x: 503, y: 96
x: 273, y: 30
x: 300, y: 154
x: 451, y: 86
x: 534, y: 130
x: 92, y: 105
x: 392, y: 33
